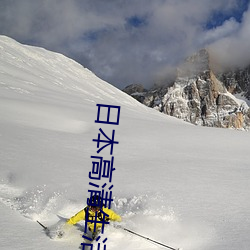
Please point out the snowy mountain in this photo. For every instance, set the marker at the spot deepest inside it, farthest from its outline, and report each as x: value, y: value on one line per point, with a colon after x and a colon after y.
x: 201, y: 96
x: 237, y: 81
x: 182, y: 185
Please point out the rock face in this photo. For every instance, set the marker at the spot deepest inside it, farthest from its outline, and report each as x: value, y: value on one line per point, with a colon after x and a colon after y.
x: 137, y: 91
x: 237, y: 81
x: 201, y: 97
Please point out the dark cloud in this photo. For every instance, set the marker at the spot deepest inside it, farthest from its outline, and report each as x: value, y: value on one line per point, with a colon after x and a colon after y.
x: 130, y: 41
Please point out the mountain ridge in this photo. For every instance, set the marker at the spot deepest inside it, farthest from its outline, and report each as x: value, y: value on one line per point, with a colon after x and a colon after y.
x: 200, y: 95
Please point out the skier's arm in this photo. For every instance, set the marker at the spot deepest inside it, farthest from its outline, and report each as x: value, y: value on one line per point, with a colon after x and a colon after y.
x: 77, y: 217
x: 112, y: 215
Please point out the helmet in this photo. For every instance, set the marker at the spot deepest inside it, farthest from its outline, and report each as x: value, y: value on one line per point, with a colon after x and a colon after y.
x: 95, y: 201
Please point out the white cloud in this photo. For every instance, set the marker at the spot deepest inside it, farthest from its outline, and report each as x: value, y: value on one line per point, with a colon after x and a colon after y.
x: 228, y: 28
x: 97, y: 32
x: 233, y: 50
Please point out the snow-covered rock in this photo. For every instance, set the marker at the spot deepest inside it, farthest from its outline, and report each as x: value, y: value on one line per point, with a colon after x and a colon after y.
x: 199, y: 97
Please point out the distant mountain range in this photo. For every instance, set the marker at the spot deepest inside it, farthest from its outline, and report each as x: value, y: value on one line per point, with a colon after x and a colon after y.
x: 201, y: 94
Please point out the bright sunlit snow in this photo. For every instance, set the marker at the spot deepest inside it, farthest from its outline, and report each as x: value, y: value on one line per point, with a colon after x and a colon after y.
x: 182, y: 185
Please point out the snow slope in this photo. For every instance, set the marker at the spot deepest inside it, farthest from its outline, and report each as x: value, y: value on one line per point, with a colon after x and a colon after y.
x: 182, y: 185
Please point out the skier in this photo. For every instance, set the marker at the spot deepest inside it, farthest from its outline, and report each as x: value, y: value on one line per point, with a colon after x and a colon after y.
x: 88, y: 214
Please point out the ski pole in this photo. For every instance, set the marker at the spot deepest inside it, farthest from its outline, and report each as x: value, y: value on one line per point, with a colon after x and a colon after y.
x: 150, y: 239
x: 45, y: 228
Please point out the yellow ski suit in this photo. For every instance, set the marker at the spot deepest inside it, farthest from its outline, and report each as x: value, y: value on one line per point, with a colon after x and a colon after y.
x: 81, y: 216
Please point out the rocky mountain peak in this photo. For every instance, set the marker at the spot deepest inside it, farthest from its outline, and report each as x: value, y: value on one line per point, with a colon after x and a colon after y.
x: 197, y: 64
x: 200, y: 96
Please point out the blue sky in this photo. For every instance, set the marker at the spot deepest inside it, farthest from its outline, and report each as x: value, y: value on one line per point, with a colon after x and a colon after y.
x: 131, y: 41
x: 218, y: 17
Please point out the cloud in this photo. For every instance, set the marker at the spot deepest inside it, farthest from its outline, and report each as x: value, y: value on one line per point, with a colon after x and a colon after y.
x: 228, y: 28
x: 233, y: 49
x: 121, y: 41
